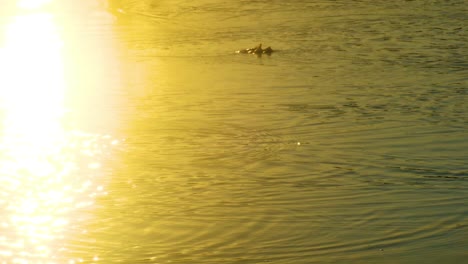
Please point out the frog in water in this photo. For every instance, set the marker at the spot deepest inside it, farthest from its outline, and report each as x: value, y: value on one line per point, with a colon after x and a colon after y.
x: 258, y: 50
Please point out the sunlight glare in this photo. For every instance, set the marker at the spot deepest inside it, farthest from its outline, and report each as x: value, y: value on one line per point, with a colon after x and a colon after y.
x: 40, y: 159
x: 33, y: 88
x: 32, y: 4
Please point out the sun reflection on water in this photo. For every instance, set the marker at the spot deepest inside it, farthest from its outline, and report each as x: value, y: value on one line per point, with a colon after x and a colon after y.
x: 31, y: 4
x: 48, y: 172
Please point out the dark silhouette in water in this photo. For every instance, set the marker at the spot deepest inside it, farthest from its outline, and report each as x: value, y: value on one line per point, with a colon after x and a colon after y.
x: 257, y: 50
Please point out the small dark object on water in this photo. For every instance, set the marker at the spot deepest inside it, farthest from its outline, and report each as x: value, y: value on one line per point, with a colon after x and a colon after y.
x: 257, y: 50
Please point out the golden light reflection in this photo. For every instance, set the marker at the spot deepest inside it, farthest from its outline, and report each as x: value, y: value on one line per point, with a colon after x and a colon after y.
x: 47, y: 173
x: 31, y: 4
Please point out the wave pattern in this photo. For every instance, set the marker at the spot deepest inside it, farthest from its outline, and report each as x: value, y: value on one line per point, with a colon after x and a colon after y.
x: 347, y: 146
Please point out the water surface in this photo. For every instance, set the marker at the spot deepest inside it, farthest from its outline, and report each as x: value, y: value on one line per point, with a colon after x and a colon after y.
x: 348, y: 145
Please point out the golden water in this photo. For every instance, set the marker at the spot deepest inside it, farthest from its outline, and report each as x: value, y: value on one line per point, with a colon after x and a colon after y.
x: 132, y: 133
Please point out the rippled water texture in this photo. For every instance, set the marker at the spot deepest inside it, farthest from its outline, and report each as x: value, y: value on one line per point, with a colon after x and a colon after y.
x: 160, y: 144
